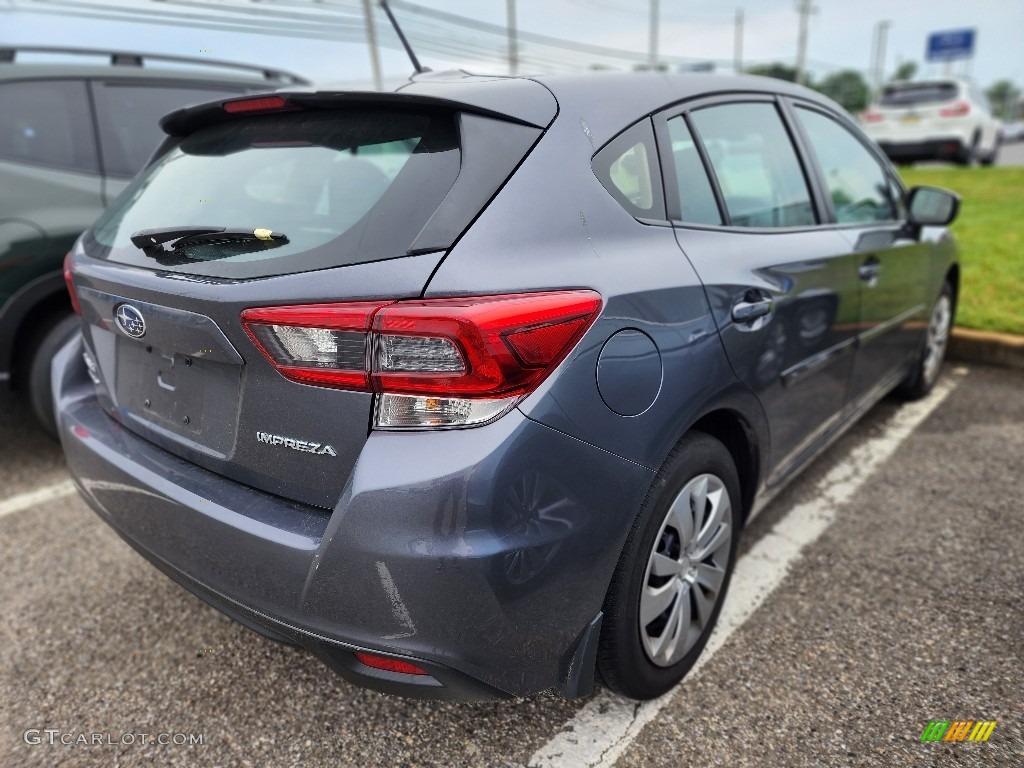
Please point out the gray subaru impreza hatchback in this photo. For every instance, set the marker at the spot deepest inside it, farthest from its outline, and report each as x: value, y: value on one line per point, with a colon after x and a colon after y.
x: 469, y: 388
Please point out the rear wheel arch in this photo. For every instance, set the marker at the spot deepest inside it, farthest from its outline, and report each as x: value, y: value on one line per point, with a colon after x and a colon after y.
x: 41, y: 316
x: 740, y: 439
x: 953, y: 279
x: 42, y: 298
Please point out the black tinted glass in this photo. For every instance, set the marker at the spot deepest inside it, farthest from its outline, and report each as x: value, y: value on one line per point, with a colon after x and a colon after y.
x: 343, y: 187
x: 756, y: 166
x: 628, y: 168
x: 128, y: 117
x: 696, y: 199
x: 47, y: 122
x: 917, y: 93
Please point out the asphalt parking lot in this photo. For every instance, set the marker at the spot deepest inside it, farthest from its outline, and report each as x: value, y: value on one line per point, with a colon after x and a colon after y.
x: 903, y: 607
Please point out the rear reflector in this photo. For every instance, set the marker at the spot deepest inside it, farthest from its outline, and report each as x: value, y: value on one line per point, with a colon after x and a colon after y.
x: 871, y: 116
x: 388, y: 665
x: 258, y: 104
x: 434, y: 362
x: 71, y: 285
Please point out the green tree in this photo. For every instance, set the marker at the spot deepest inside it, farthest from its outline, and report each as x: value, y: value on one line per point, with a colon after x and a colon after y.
x: 905, y: 71
x: 777, y: 70
x: 1003, y: 95
x: 848, y: 87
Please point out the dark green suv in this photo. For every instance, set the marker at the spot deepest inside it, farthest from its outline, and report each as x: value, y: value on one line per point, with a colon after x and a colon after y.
x: 71, y: 137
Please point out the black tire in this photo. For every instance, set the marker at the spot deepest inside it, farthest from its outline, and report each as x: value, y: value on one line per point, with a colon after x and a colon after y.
x: 623, y: 660
x: 926, y: 372
x: 967, y: 155
x: 36, y: 382
x: 990, y: 159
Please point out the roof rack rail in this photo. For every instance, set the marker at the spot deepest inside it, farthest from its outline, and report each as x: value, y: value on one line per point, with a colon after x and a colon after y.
x: 8, y: 53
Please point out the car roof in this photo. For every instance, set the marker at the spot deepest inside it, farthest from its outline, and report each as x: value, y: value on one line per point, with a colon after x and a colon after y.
x: 44, y: 71
x: 606, y: 102
x: 134, y: 65
x: 610, y: 101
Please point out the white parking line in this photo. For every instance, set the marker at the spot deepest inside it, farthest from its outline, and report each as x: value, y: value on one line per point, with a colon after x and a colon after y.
x: 34, y: 498
x: 605, y: 727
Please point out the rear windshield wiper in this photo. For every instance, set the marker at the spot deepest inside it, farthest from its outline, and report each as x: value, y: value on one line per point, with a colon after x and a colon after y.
x: 151, y: 241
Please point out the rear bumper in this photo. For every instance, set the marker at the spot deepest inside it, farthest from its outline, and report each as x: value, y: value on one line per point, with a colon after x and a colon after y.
x: 948, y: 148
x: 480, y: 555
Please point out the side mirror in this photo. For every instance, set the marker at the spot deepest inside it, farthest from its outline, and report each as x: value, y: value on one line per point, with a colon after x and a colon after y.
x: 932, y: 207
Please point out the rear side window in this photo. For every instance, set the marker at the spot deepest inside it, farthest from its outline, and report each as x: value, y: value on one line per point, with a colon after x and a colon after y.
x: 129, y: 114
x: 756, y: 165
x: 857, y: 182
x: 342, y: 186
x: 628, y: 168
x: 697, y: 203
x: 47, y: 122
x: 914, y: 94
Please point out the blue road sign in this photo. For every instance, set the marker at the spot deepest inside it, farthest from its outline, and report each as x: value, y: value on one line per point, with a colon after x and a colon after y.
x: 953, y: 44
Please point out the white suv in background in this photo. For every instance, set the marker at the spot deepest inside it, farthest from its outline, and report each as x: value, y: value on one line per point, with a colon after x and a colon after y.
x: 943, y: 119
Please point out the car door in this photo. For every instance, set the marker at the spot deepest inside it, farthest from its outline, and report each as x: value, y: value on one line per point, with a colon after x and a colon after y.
x: 892, y: 265
x: 49, y: 177
x: 783, y: 289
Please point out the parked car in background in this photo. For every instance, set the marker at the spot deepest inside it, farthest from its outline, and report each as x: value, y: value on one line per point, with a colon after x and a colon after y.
x: 470, y: 388
x: 943, y: 119
x: 1013, y: 131
x: 71, y: 137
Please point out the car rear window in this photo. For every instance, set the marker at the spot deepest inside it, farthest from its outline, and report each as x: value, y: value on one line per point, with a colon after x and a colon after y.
x: 343, y: 187
x: 917, y: 93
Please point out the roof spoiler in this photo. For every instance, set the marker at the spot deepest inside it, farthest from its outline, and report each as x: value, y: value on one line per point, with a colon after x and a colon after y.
x: 529, y: 104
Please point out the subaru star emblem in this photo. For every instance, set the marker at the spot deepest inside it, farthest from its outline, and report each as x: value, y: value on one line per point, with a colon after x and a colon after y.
x: 129, y: 320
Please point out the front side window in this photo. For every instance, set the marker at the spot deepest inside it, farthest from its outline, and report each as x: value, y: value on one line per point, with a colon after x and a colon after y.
x: 628, y: 168
x: 856, y: 181
x: 47, y: 122
x: 756, y: 165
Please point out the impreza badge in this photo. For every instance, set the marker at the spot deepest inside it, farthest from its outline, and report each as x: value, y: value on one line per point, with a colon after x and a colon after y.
x: 296, y: 445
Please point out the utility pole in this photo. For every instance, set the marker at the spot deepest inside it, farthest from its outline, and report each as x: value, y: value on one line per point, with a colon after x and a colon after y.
x: 653, y: 42
x: 805, y: 8
x: 878, y: 47
x: 737, y: 48
x: 371, y: 42
x: 513, y: 43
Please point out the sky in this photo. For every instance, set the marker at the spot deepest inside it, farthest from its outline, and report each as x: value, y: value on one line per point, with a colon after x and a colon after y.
x: 840, y: 33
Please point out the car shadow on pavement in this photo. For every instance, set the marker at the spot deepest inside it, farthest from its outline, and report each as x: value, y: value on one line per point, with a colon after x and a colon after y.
x: 95, y: 640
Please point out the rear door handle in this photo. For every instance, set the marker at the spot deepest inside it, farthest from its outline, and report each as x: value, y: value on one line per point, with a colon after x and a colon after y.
x: 748, y: 311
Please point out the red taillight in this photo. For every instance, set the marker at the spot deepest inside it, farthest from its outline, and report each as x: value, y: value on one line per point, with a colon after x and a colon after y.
x: 321, y: 344
x: 259, y: 104
x: 959, y: 109
x: 389, y: 665
x: 71, y: 285
x: 872, y: 116
x: 509, y: 343
x: 435, y: 362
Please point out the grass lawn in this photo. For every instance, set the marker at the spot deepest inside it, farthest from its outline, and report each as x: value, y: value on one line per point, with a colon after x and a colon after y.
x: 990, y: 232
